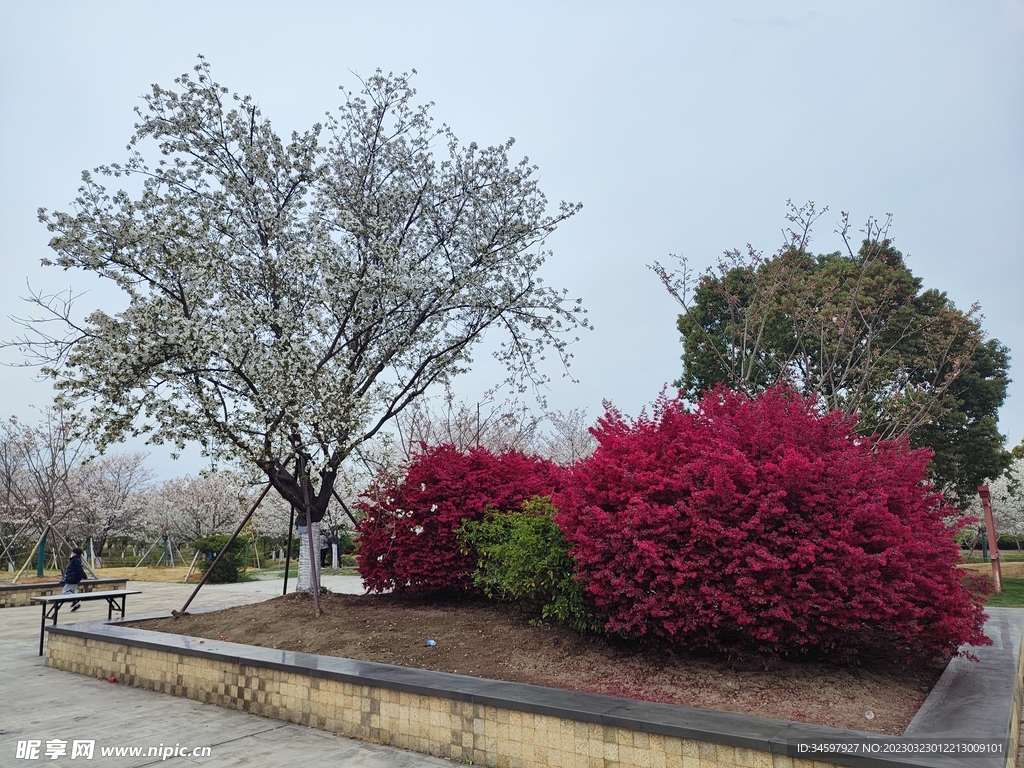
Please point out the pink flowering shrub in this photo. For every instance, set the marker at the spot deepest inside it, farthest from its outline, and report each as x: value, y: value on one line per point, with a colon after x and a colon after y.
x: 407, y: 541
x: 761, y: 525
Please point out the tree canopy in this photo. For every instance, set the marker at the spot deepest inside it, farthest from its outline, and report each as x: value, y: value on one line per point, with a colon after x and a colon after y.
x: 285, y: 298
x: 859, y: 332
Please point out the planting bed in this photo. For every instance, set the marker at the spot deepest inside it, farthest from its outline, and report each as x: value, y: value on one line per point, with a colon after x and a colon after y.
x: 496, y: 642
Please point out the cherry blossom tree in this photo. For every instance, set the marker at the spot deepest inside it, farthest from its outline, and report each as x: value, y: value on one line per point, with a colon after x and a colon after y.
x: 498, y: 426
x: 1007, y: 494
x: 37, y: 466
x: 568, y: 439
x: 48, y: 477
x: 286, y: 298
x: 190, y: 508
x: 109, y: 498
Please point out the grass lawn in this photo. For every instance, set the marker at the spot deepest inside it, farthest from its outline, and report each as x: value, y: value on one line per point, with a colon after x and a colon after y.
x: 1006, y: 555
x: 1012, y: 595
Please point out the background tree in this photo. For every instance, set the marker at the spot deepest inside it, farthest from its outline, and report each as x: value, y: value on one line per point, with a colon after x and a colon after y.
x: 285, y: 300
x: 569, y: 438
x: 270, y: 520
x: 48, y: 476
x: 1007, y: 493
x: 497, y: 426
x: 190, y: 508
x: 1018, y: 450
x: 109, y: 499
x: 856, y: 330
x: 38, y: 463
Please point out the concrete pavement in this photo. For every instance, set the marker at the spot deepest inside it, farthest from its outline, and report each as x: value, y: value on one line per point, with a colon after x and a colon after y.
x: 46, y: 705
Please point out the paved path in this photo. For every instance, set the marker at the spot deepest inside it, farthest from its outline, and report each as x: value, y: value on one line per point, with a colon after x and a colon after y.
x: 39, y: 703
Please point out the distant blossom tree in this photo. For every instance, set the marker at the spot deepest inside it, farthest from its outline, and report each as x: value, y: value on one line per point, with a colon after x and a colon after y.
x: 497, y: 426
x: 109, y: 499
x: 190, y: 508
x: 569, y: 438
x: 1007, y: 495
x: 49, y: 477
x: 270, y: 520
x: 287, y: 298
x: 38, y: 464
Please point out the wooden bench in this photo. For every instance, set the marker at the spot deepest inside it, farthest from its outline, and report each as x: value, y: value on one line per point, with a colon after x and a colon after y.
x: 52, y: 603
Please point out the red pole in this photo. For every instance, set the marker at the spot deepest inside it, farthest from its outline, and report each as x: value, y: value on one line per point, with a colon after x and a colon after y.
x: 993, y: 540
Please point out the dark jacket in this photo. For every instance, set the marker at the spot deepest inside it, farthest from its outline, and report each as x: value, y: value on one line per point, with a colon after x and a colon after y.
x: 75, y: 572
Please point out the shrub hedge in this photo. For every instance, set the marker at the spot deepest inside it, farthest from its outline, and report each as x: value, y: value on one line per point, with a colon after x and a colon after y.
x: 762, y: 525
x: 229, y: 569
x: 746, y: 526
x: 523, y: 557
x: 407, y: 539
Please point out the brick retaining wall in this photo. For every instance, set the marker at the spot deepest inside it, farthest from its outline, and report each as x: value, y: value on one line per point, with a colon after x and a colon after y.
x: 496, y: 723
x: 17, y: 595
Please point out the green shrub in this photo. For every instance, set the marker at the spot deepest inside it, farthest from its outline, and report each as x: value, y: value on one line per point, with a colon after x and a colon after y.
x: 523, y: 557
x: 230, y: 567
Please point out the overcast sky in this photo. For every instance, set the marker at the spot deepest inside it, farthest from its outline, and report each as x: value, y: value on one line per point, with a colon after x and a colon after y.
x: 681, y: 127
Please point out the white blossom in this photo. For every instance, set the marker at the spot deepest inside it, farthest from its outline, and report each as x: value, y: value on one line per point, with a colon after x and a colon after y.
x: 285, y: 299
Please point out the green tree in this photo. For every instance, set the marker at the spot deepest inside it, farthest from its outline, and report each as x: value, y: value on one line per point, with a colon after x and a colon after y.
x: 858, y: 331
x: 1018, y: 450
x: 284, y: 299
x: 964, y: 433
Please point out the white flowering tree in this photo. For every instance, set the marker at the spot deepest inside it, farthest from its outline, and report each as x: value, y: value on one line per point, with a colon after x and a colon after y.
x: 270, y: 521
x: 1008, y: 501
x: 1007, y: 495
x: 190, y: 508
x: 285, y: 298
x: 498, y: 426
x: 38, y: 463
x: 48, y: 481
x: 109, y: 499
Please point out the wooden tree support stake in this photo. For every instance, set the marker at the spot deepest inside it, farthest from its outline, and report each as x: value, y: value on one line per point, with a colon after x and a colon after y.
x: 238, y: 530
x: 993, y: 540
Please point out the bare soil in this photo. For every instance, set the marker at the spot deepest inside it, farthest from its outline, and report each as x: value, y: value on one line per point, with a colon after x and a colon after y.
x: 496, y: 641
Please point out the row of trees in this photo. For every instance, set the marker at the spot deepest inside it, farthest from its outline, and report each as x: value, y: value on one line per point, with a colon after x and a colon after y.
x: 49, y: 475
x: 49, y: 478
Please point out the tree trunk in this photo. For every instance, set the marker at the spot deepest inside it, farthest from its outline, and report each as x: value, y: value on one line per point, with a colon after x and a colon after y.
x: 289, y: 486
x: 305, y: 581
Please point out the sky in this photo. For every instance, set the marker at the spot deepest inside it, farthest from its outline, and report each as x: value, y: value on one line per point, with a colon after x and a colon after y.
x: 682, y: 127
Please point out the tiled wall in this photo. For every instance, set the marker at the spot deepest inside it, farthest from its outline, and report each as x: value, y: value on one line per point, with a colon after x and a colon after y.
x: 18, y: 595
x: 449, y: 728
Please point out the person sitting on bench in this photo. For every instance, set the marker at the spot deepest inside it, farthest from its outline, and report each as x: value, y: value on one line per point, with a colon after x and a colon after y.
x: 73, y: 576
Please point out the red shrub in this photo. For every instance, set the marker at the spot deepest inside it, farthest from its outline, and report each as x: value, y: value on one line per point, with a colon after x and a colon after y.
x: 407, y: 541
x: 760, y: 524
